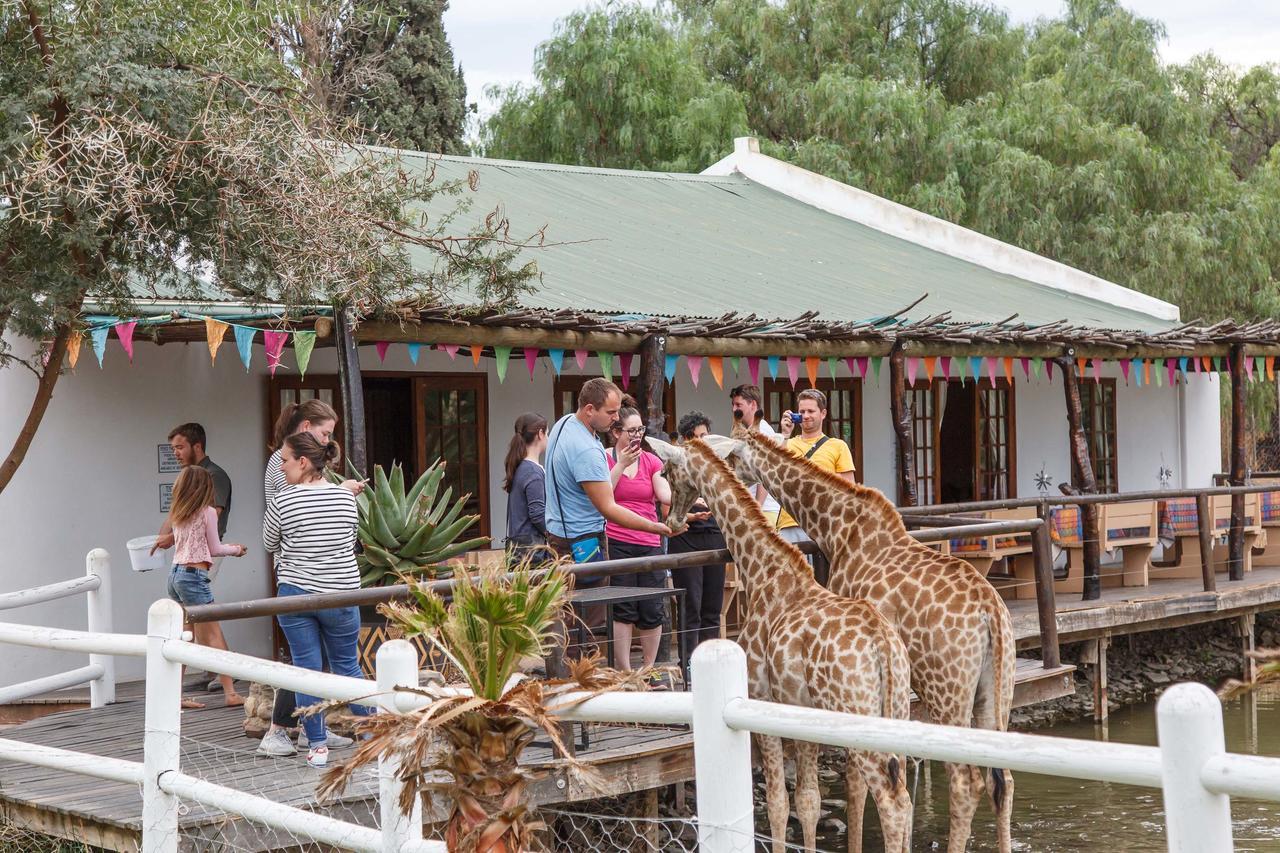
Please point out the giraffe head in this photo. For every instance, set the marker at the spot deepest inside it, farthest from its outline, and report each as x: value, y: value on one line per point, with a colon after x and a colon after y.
x: 678, y: 472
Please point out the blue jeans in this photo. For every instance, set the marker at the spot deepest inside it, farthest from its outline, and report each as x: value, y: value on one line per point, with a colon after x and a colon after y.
x: 189, y: 586
x: 312, y: 635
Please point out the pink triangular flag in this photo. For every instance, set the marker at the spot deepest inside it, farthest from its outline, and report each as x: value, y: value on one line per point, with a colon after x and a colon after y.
x: 382, y: 347
x: 753, y: 367
x: 695, y: 368
x: 580, y: 356
x: 913, y: 365
x: 1097, y: 369
x: 863, y: 361
x: 1171, y: 367
x: 274, y: 343
x: 451, y: 349
x: 1124, y: 370
x: 793, y: 369
x: 125, y: 332
x: 991, y: 370
x: 1026, y: 367
x: 624, y: 363
x: 1048, y: 369
x: 851, y: 363
x: 531, y: 359
x: 945, y: 362
x: 1248, y: 368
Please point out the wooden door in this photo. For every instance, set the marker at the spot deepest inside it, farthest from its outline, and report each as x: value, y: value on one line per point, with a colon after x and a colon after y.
x: 566, y: 390
x: 452, y: 423
x: 844, y: 410
x: 996, y: 446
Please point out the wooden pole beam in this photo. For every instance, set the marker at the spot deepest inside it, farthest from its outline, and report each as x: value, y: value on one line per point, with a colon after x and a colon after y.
x: 1235, y: 538
x: 653, y: 354
x: 905, y: 446
x: 352, y: 391
x: 489, y: 336
x: 1082, y: 479
x: 1046, y: 600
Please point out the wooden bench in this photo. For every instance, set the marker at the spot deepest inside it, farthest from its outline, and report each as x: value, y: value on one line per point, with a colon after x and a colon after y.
x: 984, y: 551
x: 1179, y: 521
x: 1130, y: 527
x: 1266, y: 552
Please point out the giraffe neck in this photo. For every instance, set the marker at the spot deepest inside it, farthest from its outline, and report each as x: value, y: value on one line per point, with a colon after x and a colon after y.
x: 840, y: 516
x: 772, y: 570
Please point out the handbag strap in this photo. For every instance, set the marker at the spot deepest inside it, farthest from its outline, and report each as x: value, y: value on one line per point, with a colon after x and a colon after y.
x: 816, y: 445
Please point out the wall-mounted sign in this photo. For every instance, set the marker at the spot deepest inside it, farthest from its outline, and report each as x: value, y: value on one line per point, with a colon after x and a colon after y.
x: 166, y: 495
x: 166, y: 462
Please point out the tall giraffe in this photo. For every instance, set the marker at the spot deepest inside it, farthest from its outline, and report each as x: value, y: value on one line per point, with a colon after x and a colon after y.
x: 805, y: 646
x: 957, y: 630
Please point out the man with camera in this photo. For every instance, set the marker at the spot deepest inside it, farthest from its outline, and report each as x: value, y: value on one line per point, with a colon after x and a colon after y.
x: 830, y: 454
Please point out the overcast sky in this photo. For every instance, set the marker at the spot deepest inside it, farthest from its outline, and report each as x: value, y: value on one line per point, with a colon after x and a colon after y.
x: 495, y: 39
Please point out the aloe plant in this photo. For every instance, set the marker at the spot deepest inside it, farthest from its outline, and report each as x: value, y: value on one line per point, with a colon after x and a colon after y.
x: 410, y: 532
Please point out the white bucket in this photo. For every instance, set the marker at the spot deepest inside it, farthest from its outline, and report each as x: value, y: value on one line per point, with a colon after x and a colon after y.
x: 141, y: 558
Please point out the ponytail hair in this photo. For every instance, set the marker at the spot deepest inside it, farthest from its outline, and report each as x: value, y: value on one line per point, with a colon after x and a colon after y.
x: 528, y: 426
x: 291, y: 417
x: 305, y: 446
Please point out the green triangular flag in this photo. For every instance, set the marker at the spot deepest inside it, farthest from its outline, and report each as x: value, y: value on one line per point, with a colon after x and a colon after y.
x: 733, y: 362
x: 606, y: 364
x: 1157, y: 367
x: 1037, y: 366
x: 502, y: 355
x: 303, y: 343
x: 1217, y: 364
x: 832, y: 361
x: 958, y: 363
x: 1259, y: 367
x: 875, y: 365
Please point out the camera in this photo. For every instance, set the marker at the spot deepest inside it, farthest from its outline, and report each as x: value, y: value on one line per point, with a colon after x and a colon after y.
x: 738, y: 414
x: 796, y: 418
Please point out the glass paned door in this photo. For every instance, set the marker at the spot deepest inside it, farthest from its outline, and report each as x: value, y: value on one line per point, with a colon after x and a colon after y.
x: 844, y: 410
x: 452, y: 424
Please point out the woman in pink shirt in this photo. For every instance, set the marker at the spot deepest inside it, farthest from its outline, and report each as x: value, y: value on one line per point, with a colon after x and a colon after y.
x: 639, y: 486
x: 196, y: 543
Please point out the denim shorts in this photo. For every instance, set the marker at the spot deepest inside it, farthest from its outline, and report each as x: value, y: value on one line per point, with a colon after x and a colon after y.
x: 190, y: 587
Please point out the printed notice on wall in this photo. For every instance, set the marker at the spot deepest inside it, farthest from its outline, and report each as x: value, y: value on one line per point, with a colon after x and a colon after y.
x: 166, y: 462
x: 166, y: 495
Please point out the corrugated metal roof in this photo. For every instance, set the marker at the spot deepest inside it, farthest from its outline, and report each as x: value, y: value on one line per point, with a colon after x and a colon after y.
x: 652, y: 243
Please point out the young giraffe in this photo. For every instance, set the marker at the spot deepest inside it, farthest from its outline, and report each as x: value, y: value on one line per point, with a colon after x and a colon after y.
x: 957, y: 630
x: 805, y: 646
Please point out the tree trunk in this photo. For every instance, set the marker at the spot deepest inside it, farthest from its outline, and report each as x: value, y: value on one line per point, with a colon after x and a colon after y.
x: 1235, y: 537
x: 653, y: 385
x: 1082, y: 479
x: 352, y: 391
x: 489, y: 788
x: 902, y: 428
x: 40, y: 405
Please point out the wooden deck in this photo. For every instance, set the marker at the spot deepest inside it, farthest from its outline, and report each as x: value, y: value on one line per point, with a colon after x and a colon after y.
x: 1162, y: 604
x: 109, y: 815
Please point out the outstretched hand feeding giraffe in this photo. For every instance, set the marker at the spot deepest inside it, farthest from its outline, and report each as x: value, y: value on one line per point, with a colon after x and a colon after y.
x: 957, y: 630
x: 805, y: 646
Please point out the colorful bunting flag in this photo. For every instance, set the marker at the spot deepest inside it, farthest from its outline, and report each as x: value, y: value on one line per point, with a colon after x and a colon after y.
x: 1271, y: 367
x: 1259, y: 366
x: 1048, y: 370
x: 501, y: 356
x: 98, y: 338
x: 753, y: 367
x: 214, y: 331
x: 1097, y: 369
x: 695, y: 368
x: 811, y: 370
x: 624, y: 367
x: 793, y: 370
x: 716, y: 363
x: 274, y: 342
x: 244, y: 343
x: 1008, y: 369
x: 1080, y: 363
x: 960, y: 362
x: 975, y: 368
x: 875, y: 367
x: 1124, y: 370
x: 476, y: 352
x: 991, y: 370
x: 669, y: 368
x: 733, y: 362
x: 531, y: 360
x: 452, y: 350
x: 415, y: 350
x: 580, y: 356
x: 832, y: 362
x: 73, y: 349
x: 1146, y: 372
x: 606, y: 364
x: 557, y: 359
x: 124, y: 331
x: 946, y: 366
x: 1136, y: 366
x: 1171, y: 367
x: 913, y: 365
x: 305, y: 342
x: 1158, y: 372
x: 863, y: 361
x: 1248, y: 368
x: 773, y: 361
x: 1037, y: 365
x: 380, y: 346
x: 929, y: 364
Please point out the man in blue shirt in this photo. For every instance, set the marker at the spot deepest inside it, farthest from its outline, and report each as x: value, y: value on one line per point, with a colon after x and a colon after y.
x: 579, y: 492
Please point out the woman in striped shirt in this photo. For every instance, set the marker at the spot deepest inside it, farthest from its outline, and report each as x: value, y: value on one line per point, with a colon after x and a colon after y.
x: 311, y: 529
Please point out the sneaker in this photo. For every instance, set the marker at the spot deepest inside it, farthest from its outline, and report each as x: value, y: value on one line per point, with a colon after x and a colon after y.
x: 214, y: 685
x: 276, y: 742
x: 334, y: 741
x: 318, y: 757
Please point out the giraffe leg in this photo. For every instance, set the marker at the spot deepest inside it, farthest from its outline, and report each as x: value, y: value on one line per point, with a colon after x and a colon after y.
x: 775, y: 787
x: 885, y: 776
x: 1000, y: 790
x: 966, y: 790
x: 856, y: 791
x: 808, y: 799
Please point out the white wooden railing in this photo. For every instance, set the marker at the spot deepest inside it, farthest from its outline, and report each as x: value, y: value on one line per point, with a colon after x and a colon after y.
x: 1190, y: 765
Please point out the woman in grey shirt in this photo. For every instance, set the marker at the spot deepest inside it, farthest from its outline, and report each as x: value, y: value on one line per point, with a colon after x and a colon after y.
x: 525, y: 484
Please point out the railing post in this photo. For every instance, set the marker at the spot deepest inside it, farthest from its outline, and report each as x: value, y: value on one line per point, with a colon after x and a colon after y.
x: 1046, y: 595
x: 1189, y: 722
x: 1204, y: 516
x: 721, y: 755
x: 161, y: 747
x: 102, y: 690
x: 397, y: 666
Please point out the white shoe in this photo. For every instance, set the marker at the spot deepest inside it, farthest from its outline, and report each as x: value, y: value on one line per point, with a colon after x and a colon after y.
x: 333, y: 741
x: 276, y: 742
x: 318, y: 757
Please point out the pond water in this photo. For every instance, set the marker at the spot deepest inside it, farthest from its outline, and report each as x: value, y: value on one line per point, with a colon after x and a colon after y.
x: 1055, y: 815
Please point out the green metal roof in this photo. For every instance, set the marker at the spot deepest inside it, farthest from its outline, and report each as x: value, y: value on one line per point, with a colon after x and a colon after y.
x: 659, y: 244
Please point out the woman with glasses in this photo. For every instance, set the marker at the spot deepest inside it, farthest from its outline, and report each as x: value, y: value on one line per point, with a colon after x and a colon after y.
x: 639, y: 486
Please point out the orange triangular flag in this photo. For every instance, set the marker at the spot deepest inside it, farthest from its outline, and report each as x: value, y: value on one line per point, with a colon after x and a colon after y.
x: 811, y: 368
x: 1080, y: 362
x: 716, y: 363
x: 929, y: 363
x: 476, y: 350
x: 214, y: 330
x: 1008, y: 369
x: 1207, y: 363
x: 73, y: 348
x: 1271, y: 367
x: 1146, y: 371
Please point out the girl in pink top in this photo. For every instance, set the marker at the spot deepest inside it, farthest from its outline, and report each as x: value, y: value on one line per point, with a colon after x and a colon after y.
x: 196, y: 543
x: 639, y: 486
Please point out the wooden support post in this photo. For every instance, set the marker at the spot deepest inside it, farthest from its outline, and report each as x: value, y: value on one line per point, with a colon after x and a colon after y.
x: 1100, y: 680
x: 1235, y: 538
x: 653, y: 357
x: 902, y: 427
x: 1244, y: 626
x: 1082, y: 479
x: 352, y: 387
x: 1046, y: 604
x: 1205, y: 518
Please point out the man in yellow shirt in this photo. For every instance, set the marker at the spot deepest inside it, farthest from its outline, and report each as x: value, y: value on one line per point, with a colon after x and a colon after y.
x: 830, y: 454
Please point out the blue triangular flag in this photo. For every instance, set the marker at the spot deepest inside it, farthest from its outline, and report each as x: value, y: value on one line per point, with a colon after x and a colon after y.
x: 1135, y: 364
x: 773, y: 366
x: 669, y: 367
x: 414, y: 349
x: 244, y: 343
x: 975, y: 367
x: 98, y: 337
x: 557, y: 359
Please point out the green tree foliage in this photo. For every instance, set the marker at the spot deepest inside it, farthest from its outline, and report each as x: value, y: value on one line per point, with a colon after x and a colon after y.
x: 1068, y: 137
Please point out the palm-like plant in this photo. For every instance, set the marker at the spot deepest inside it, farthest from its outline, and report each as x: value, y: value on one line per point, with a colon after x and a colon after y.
x: 494, y: 621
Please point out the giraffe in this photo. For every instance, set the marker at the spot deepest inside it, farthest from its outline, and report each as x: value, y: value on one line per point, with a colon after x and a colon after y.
x: 957, y: 630
x: 805, y: 646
